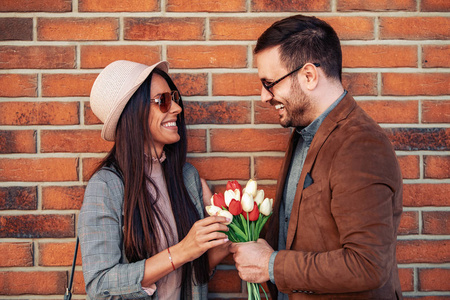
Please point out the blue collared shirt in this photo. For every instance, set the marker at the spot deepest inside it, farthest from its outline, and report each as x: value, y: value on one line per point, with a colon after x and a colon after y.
x: 306, y: 135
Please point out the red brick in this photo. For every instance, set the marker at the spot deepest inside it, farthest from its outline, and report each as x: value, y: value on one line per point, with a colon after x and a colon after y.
x: 392, y: 111
x: 62, y: 197
x: 78, y: 29
x: 157, y: 29
x: 196, y: 140
x: 37, y: 57
x: 117, y: 6
x: 423, y: 251
x: 410, y: 166
x: 222, y: 168
x: 205, y: 6
x: 16, y: 29
x: 18, y: 85
x: 236, y: 84
x: 17, y: 141
x: 435, y: 5
x: 73, y: 141
x: 99, y: 56
x: 34, y: 283
x: 225, y: 281
x: 419, y: 138
x: 79, y: 284
x: 207, y: 56
x: 57, y: 254
x: 436, y: 222
x: 368, y: 56
x: 39, y: 113
x: 426, y: 194
x: 434, y: 279
x: 384, y: 5
x: 414, y: 28
x: 37, y: 226
x: 191, y: 84
x: 89, y: 117
x: 360, y: 84
x: 89, y: 166
x: 218, y: 112
x: 294, y: 5
x: 35, y: 6
x: 18, y: 197
x: 38, y: 169
x: 16, y: 254
x: 437, y: 166
x: 249, y: 140
x: 267, y: 167
x: 265, y: 113
x: 406, y: 279
x: 239, y: 28
x: 409, y: 223
x: 432, y: 56
x: 353, y: 28
x: 435, y: 111
x: 67, y: 85
x: 407, y: 84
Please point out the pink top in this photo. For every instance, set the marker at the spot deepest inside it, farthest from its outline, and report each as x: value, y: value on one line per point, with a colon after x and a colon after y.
x: 169, y: 287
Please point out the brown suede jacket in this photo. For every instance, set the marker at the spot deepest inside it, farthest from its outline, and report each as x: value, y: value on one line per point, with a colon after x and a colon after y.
x: 342, y: 233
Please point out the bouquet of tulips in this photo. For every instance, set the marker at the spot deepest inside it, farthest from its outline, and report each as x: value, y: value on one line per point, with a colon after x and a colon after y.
x: 248, y: 211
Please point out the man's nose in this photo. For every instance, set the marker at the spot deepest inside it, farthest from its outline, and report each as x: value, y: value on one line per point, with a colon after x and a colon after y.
x: 266, y: 96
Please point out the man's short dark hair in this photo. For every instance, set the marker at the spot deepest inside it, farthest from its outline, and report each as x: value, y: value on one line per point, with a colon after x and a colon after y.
x: 304, y: 39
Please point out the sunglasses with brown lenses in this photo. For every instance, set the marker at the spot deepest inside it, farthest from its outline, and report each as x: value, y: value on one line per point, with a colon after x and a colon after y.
x: 164, y: 100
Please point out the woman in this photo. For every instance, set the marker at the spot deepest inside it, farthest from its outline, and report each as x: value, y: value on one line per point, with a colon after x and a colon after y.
x: 141, y: 229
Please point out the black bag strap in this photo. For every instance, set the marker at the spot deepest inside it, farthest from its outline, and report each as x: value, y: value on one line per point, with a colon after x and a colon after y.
x: 68, y: 294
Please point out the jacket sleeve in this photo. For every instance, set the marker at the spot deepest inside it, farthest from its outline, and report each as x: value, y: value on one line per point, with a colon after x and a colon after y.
x: 106, y: 275
x: 365, y: 182
x: 194, y: 187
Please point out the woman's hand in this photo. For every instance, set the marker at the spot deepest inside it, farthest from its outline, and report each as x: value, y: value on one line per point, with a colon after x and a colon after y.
x: 204, y: 235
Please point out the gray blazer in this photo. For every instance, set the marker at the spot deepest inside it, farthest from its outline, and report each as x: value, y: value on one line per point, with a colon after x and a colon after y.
x: 107, y: 273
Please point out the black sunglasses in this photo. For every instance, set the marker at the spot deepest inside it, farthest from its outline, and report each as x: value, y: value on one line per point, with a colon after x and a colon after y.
x: 272, y: 84
x: 164, y: 100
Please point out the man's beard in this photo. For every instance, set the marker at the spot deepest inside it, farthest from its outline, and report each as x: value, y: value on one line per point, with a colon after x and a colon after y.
x: 297, y: 108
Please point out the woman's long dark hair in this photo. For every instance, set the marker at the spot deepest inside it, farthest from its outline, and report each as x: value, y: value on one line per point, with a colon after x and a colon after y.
x: 141, y: 217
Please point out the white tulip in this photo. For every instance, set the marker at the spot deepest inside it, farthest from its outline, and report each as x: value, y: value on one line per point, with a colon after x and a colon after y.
x: 266, y: 206
x: 226, y: 214
x: 212, y: 210
x: 251, y: 187
x: 247, y: 202
x: 229, y: 195
x: 237, y: 194
x: 259, y: 197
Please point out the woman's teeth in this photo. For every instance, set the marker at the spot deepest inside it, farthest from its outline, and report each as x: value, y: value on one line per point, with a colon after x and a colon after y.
x: 170, y: 124
x: 279, y: 106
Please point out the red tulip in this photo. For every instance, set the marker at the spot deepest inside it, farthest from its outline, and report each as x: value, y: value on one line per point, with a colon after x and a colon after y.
x: 254, y: 214
x: 235, y: 207
x: 234, y: 185
x: 218, y: 200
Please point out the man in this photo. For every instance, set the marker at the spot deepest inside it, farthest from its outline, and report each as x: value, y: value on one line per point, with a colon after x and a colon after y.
x: 339, y: 194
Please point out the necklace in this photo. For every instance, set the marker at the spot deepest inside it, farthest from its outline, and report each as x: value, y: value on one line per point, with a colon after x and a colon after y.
x: 156, y: 159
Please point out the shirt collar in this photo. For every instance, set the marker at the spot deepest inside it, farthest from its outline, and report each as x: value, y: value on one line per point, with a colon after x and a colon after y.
x: 309, y: 131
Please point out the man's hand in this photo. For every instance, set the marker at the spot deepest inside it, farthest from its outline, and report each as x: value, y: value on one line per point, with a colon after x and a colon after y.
x: 252, y: 260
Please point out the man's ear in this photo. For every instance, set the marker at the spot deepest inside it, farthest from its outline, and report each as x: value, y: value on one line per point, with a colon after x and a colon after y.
x: 310, y: 76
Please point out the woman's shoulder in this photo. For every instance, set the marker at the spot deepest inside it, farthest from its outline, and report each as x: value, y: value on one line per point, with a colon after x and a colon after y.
x: 106, y: 182
x: 190, y: 171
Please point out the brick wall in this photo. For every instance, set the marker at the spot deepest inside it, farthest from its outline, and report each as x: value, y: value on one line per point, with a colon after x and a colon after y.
x: 396, y: 63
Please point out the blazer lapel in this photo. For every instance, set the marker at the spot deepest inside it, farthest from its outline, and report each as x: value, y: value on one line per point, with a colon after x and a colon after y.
x: 339, y: 113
